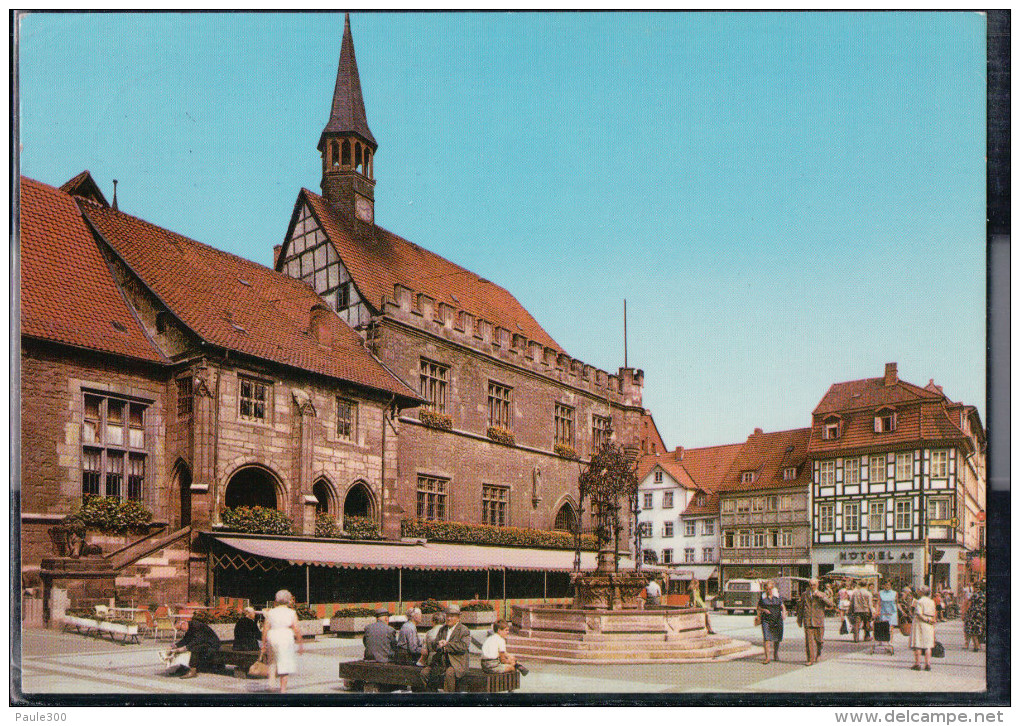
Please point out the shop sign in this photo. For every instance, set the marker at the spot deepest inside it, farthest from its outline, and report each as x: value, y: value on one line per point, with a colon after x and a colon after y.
x: 880, y: 556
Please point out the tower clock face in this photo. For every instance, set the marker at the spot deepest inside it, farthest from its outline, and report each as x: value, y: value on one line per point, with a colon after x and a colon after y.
x: 363, y: 209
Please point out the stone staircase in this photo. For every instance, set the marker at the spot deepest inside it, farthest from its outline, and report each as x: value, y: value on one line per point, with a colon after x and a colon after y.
x: 154, y: 569
x: 571, y: 636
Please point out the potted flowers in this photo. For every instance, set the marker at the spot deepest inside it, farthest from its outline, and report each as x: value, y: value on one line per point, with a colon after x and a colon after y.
x: 351, y: 620
x: 309, y: 623
x: 220, y: 621
x: 478, y: 612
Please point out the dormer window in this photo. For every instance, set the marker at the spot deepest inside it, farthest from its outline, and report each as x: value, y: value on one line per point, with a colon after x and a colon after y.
x: 747, y: 477
x: 700, y: 500
x: 790, y: 473
x: 830, y: 429
x: 885, y: 421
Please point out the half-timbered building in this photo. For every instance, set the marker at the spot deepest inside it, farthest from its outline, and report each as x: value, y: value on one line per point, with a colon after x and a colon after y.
x: 896, y: 465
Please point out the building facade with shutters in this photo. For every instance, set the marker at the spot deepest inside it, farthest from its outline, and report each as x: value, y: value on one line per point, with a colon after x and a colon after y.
x: 895, y: 464
x: 509, y: 416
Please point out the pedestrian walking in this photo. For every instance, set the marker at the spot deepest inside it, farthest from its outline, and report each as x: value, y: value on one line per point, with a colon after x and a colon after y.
x: 861, y: 607
x: 811, y: 616
x: 653, y: 594
x: 974, y: 618
x: 280, y: 635
x: 922, y: 633
x: 771, y: 614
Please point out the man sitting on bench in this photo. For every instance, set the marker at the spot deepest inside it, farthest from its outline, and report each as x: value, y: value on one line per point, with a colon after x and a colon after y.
x: 495, y: 659
x: 447, y: 656
x: 380, y: 638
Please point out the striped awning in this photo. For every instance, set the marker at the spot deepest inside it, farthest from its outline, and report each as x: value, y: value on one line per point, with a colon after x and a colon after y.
x: 409, y: 555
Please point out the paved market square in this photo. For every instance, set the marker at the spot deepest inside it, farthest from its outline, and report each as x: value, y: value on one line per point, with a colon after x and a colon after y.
x: 54, y: 662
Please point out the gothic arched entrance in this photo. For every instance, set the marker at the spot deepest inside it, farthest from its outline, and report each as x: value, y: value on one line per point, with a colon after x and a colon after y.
x: 251, y: 486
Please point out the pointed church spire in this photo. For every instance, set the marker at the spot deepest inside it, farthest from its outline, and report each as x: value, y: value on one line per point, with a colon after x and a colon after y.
x: 347, y: 115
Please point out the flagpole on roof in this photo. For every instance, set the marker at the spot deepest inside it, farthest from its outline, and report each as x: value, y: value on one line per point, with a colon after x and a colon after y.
x: 625, y: 333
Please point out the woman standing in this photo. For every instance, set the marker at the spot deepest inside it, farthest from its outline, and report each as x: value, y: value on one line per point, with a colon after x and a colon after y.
x: 922, y: 632
x: 974, y: 618
x: 771, y: 612
x: 280, y: 633
x: 887, y: 605
x: 905, y: 609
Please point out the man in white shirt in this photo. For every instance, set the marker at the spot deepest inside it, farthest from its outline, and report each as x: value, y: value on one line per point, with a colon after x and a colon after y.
x: 495, y: 659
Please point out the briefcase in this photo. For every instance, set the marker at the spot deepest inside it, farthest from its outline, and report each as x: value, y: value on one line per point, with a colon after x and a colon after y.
x: 939, y: 651
x: 882, y: 631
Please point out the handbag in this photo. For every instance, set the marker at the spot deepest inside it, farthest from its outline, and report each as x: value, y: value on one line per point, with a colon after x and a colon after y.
x: 843, y: 629
x: 757, y: 619
x: 260, y: 668
x: 905, y: 627
x: 939, y: 651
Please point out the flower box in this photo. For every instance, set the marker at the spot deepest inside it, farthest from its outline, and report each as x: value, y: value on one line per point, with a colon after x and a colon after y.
x: 478, y: 617
x: 310, y: 628
x: 354, y: 625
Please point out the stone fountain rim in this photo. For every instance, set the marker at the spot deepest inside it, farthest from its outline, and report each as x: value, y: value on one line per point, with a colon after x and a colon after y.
x: 631, y: 612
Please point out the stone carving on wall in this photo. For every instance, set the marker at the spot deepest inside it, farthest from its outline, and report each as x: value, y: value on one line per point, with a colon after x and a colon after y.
x: 536, y: 487
x: 202, y: 381
x: 68, y: 540
x: 303, y: 401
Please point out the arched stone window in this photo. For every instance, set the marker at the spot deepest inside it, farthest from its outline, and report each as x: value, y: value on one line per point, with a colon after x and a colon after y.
x: 358, y: 502
x: 251, y: 486
x: 357, y: 157
x: 345, y: 153
x: 335, y: 147
x: 565, y: 518
x: 325, y: 498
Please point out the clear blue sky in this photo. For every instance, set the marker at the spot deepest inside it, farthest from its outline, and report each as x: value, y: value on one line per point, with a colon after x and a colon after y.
x: 786, y: 200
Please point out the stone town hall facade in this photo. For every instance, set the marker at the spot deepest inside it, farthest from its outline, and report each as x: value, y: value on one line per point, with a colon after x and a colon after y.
x: 361, y: 376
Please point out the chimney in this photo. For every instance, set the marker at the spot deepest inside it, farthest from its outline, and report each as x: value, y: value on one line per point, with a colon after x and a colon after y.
x: 679, y: 453
x: 890, y: 374
x: 757, y: 431
x: 114, y: 205
x: 277, y: 249
x: 318, y: 324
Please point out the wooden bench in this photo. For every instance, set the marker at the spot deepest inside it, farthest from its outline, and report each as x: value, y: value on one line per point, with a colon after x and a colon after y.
x: 375, y: 675
x: 242, y: 660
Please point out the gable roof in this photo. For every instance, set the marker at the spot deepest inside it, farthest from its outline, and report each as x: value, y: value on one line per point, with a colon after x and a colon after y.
x: 767, y: 454
x: 650, y: 435
x: 668, y: 463
x: 83, y: 185
x: 68, y: 294
x: 379, y: 261
x: 239, y: 305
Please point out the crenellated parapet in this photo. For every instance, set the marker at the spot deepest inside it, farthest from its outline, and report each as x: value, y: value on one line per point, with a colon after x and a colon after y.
x: 446, y: 321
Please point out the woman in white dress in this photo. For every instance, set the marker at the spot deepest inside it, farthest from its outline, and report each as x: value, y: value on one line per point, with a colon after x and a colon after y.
x: 279, y: 635
x: 922, y: 633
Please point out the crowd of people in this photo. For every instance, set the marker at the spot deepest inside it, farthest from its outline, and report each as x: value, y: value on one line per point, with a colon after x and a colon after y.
x: 870, y: 610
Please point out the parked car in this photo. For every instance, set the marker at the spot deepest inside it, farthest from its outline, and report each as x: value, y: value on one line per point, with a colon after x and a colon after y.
x: 740, y: 594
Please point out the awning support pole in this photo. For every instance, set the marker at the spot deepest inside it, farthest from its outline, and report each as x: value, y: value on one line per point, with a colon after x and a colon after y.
x: 400, y: 589
x: 504, y: 593
x: 308, y: 590
x: 545, y: 585
x: 487, y: 573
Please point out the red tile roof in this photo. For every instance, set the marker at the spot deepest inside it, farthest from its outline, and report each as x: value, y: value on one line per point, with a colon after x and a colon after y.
x: 68, y: 294
x: 382, y: 260
x: 650, y: 435
x: 708, y: 465
x: 668, y: 463
x: 237, y: 304
x: 767, y: 455
x: 83, y: 185
x: 922, y: 414
x: 871, y: 393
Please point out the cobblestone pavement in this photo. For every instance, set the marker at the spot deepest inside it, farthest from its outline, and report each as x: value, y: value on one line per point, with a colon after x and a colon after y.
x: 67, y: 663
